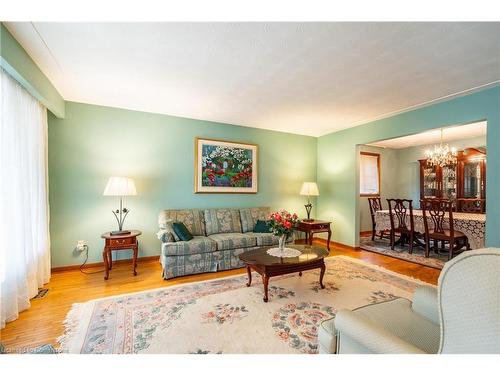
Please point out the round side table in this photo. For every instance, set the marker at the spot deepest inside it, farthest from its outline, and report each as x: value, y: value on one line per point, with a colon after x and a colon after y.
x: 120, y: 242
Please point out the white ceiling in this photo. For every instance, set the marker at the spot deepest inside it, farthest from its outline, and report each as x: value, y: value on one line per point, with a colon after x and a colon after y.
x: 452, y: 133
x: 305, y: 78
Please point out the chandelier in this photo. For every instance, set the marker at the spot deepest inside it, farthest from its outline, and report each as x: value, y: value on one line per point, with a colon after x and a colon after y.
x: 442, y: 156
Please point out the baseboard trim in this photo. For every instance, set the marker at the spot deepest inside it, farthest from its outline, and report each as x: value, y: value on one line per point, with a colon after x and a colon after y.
x: 323, y: 242
x: 73, y: 267
x: 101, y: 264
x: 365, y: 233
x: 335, y: 244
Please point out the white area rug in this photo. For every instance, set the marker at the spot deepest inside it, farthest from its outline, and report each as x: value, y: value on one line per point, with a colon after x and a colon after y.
x: 225, y: 316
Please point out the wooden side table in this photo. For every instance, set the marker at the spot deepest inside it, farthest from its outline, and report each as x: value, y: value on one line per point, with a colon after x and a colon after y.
x: 315, y: 226
x: 120, y: 242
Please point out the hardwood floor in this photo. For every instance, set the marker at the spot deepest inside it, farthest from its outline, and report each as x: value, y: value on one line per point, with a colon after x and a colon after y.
x: 43, y: 322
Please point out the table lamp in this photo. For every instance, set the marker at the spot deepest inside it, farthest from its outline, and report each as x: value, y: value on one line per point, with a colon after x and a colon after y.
x: 120, y: 187
x: 309, y: 189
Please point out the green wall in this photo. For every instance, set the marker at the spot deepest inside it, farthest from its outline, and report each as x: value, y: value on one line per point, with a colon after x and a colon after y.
x: 338, y: 167
x: 16, y: 62
x: 92, y: 143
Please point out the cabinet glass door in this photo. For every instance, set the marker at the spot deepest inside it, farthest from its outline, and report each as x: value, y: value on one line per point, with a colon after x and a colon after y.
x: 472, y: 179
x: 449, y: 182
x: 431, y: 187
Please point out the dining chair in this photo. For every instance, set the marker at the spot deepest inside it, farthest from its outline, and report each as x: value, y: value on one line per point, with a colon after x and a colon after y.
x: 375, y: 204
x: 434, y: 212
x: 471, y: 205
x: 402, y: 223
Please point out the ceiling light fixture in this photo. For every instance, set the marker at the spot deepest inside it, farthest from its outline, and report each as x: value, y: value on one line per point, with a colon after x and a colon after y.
x: 443, y: 155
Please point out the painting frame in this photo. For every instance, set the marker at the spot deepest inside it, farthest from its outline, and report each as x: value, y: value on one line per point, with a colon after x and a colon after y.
x: 201, y: 147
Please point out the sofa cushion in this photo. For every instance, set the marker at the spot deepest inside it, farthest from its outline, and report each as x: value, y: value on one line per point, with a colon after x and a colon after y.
x: 222, y: 220
x: 229, y: 241
x: 269, y: 239
x: 198, y: 245
x: 181, y: 231
x: 192, y: 219
x: 249, y: 217
x: 265, y: 239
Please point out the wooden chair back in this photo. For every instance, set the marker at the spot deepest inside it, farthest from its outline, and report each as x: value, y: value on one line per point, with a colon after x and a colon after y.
x: 399, y: 211
x: 437, y: 211
x: 375, y: 205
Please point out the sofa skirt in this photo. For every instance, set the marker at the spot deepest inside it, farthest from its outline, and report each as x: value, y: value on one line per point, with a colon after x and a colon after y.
x: 182, y: 265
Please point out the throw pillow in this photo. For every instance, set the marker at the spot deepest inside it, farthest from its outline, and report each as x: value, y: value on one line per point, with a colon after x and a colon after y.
x: 165, y: 235
x: 169, y: 228
x: 262, y: 226
x: 181, y: 231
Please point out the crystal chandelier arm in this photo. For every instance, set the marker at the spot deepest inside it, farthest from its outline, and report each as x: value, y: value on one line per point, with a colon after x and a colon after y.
x: 442, y: 155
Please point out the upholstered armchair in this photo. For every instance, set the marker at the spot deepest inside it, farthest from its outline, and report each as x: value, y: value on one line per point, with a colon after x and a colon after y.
x: 461, y: 316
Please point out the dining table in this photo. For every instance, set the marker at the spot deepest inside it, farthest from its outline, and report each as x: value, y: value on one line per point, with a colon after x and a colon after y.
x: 473, y: 225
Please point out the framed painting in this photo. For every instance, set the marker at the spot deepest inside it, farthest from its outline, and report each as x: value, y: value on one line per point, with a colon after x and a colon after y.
x: 225, y: 167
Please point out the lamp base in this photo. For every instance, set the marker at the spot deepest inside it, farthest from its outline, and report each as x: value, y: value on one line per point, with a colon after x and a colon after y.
x: 307, y: 220
x: 119, y: 232
x: 308, y: 207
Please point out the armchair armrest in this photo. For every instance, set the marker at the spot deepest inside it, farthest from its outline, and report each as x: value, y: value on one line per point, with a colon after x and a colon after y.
x: 425, y: 303
x: 373, y: 337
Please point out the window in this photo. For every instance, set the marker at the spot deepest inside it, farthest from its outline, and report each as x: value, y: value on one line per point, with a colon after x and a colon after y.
x: 369, y: 174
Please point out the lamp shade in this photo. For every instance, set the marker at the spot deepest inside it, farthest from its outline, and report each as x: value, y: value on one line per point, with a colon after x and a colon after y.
x: 309, y: 189
x: 120, y: 186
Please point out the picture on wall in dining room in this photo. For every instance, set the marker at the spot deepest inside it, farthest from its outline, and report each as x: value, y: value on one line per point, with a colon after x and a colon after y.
x: 225, y: 166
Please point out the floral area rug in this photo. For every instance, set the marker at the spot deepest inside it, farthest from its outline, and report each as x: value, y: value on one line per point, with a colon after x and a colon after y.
x: 225, y: 316
x: 382, y: 246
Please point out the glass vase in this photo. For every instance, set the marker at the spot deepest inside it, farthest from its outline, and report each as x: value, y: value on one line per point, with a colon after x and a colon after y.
x: 281, y: 242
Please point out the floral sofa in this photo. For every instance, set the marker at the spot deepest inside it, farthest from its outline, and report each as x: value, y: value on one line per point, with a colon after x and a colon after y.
x: 219, y: 236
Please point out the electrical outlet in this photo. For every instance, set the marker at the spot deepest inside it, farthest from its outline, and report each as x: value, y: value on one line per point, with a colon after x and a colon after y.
x: 81, y: 245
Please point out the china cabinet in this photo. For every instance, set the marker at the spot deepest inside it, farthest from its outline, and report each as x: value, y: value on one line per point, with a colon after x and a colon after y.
x: 463, y: 183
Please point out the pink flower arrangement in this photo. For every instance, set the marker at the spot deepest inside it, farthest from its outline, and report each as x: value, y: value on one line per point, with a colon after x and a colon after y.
x: 282, y: 223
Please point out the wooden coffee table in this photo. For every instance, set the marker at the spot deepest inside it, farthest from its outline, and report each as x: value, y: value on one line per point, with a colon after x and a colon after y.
x: 268, y: 266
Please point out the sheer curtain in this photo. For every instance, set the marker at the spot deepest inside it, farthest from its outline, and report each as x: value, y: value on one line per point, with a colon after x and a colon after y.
x: 24, y: 220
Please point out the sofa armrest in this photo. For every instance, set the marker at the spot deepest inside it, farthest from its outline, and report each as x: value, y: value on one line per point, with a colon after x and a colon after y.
x: 373, y: 337
x: 425, y: 303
